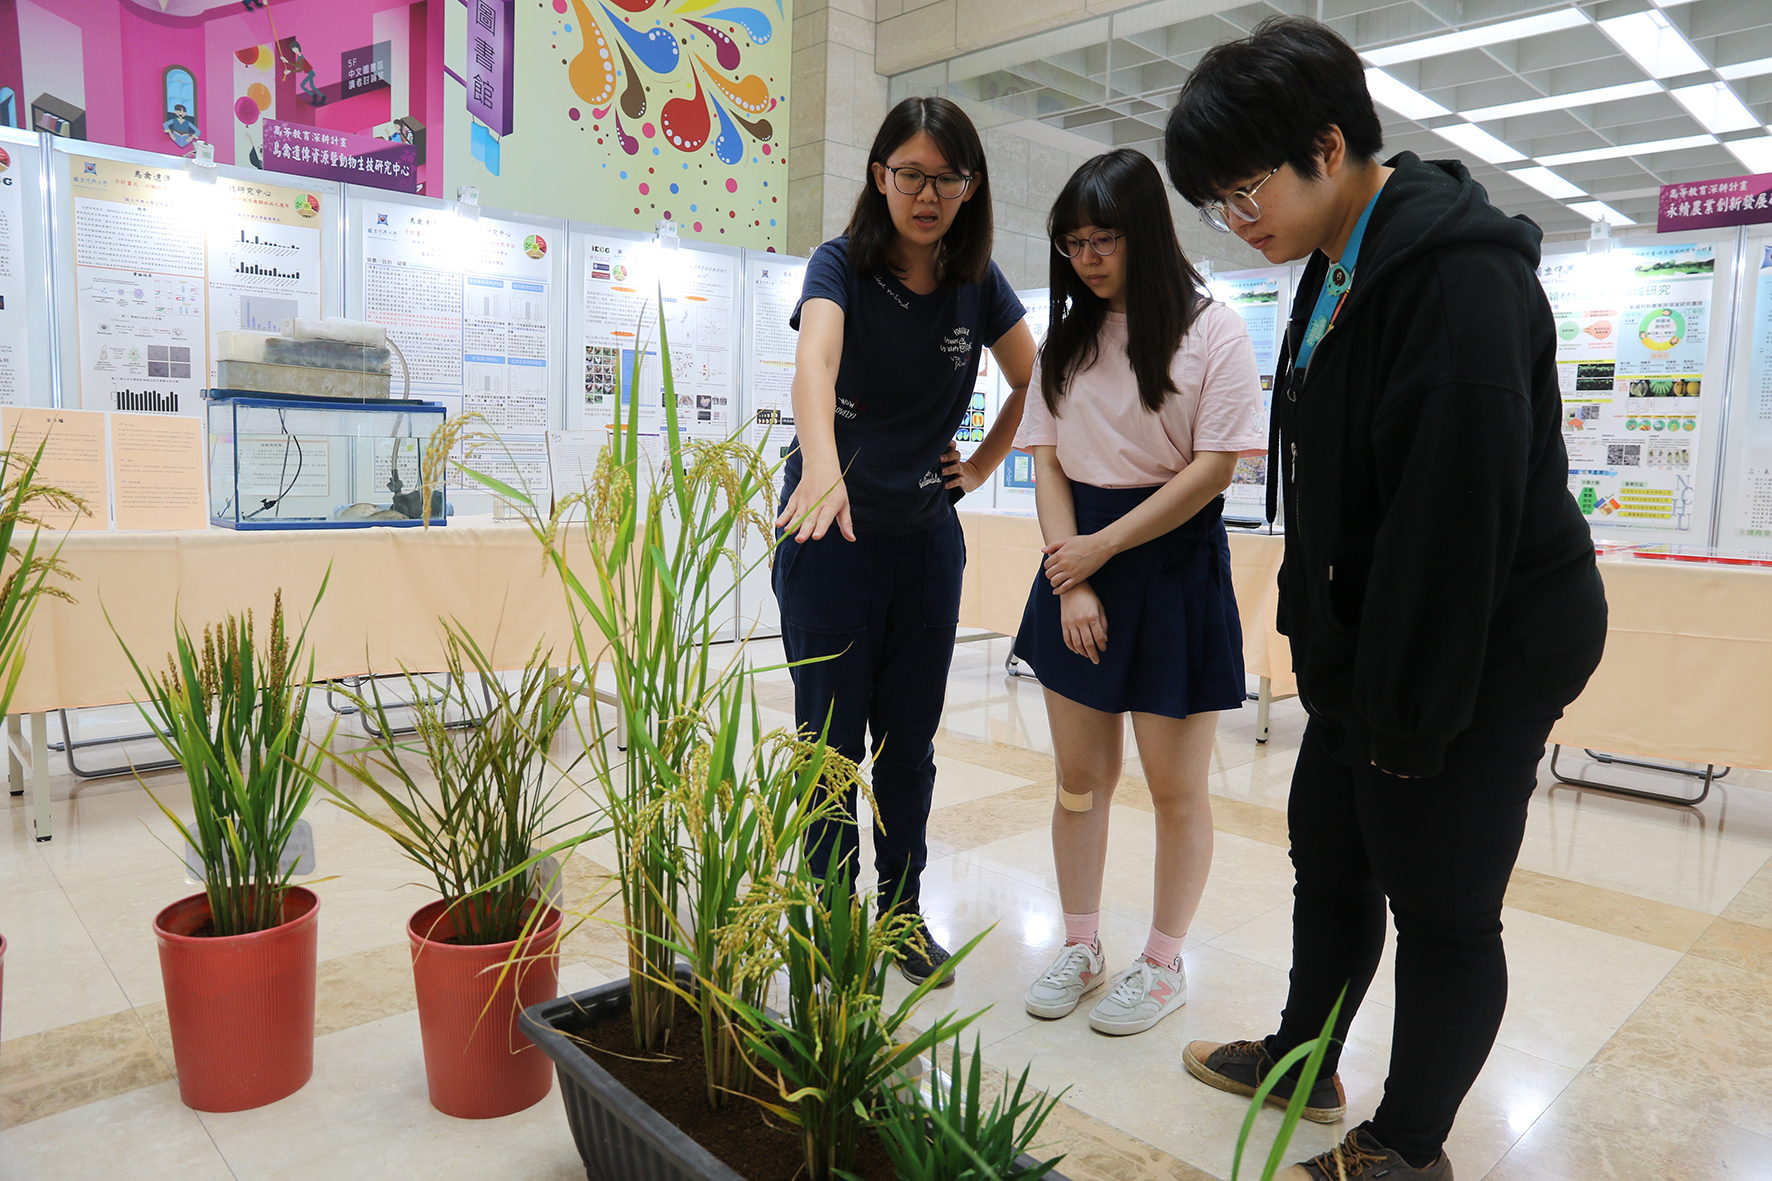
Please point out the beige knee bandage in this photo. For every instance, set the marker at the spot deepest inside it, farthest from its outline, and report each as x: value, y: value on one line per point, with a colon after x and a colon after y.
x: 1076, y: 802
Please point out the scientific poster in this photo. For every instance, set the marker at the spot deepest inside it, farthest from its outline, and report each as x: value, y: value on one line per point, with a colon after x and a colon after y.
x: 1632, y: 334
x: 15, y: 332
x: 773, y: 285
x: 1753, y: 486
x: 163, y: 263
x: 139, y: 261
x: 1263, y: 298
x: 263, y: 254
x: 466, y: 299
x: 625, y: 283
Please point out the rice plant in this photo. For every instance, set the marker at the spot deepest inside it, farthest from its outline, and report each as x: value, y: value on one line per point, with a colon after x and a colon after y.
x: 232, y: 713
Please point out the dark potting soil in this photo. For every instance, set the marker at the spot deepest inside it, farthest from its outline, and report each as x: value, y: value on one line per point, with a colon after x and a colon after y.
x: 752, y: 1142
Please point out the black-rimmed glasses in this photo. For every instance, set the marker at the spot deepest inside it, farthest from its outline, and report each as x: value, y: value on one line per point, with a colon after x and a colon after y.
x: 912, y: 181
x: 1102, y: 242
x: 1240, y: 204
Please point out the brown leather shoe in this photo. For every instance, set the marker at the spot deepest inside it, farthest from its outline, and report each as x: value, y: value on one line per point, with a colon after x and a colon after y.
x: 1240, y: 1067
x: 1361, y: 1158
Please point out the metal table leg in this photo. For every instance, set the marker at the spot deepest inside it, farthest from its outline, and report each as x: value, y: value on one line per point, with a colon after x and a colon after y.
x: 68, y: 746
x: 15, y: 770
x: 41, y: 819
x: 1263, y: 705
x: 1709, y: 775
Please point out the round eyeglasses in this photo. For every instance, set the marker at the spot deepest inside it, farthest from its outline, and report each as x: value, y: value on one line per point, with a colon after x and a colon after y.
x: 912, y: 181
x: 1240, y: 204
x: 1102, y: 243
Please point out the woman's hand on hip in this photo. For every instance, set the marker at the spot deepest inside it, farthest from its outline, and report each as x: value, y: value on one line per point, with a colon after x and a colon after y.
x: 959, y: 473
x: 817, y: 500
x: 1083, y: 622
x: 1070, y: 563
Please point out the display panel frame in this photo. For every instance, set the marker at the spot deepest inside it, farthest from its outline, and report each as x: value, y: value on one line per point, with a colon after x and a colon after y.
x: 357, y: 198
x: 56, y: 160
x: 35, y: 276
x: 1658, y: 474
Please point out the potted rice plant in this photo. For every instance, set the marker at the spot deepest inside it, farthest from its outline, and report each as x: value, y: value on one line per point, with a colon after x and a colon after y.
x: 26, y: 574
x: 655, y: 543
x: 238, y: 959
x: 489, y: 946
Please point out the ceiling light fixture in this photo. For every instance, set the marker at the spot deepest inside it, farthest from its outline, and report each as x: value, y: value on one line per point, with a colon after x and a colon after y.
x: 1715, y: 107
x: 1600, y: 211
x: 1653, y: 43
x: 1480, y: 143
x: 1620, y: 151
x: 1530, y: 26
x: 1547, y: 182
x: 1562, y: 102
x: 1403, y: 99
x: 1756, y: 153
x: 1751, y: 69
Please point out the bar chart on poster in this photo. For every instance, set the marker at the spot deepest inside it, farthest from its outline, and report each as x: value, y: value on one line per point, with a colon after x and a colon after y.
x: 1641, y: 378
x: 468, y: 299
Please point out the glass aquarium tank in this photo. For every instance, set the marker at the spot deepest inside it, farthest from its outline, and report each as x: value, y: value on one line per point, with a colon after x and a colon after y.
x: 299, y: 463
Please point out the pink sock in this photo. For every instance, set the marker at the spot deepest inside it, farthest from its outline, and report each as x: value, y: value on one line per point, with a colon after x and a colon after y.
x: 1082, y: 928
x: 1162, y: 949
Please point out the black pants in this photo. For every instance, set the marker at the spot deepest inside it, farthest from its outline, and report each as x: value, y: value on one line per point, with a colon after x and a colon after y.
x: 883, y: 608
x: 1441, y: 851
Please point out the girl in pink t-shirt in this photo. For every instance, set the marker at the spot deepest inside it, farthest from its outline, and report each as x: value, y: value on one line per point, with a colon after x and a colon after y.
x: 1143, y: 398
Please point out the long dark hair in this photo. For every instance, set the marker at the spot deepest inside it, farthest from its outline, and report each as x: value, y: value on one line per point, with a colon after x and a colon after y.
x: 965, y: 253
x: 1120, y: 190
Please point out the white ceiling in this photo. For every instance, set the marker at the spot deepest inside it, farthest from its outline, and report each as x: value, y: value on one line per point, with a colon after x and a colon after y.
x: 1537, y: 98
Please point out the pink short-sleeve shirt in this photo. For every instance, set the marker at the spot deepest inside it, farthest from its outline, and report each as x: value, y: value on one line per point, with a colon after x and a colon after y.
x: 1106, y: 437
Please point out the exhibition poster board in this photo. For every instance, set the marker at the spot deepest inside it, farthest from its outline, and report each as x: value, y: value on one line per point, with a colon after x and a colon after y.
x: 1013, y: 482
x: 1643, y: 375
x: 772, y: 289
x: 163, y: 256
x: 1745, y: 504
x: 772, y: 285
x: 25, y: 285
x: 1263, y: 299
x: 473, y: 303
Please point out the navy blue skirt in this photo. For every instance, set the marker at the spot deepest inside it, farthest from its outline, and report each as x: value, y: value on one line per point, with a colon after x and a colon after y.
x: 1174, y: 640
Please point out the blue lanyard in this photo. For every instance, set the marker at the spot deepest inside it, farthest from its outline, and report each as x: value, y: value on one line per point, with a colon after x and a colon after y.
x: 1336, y: 282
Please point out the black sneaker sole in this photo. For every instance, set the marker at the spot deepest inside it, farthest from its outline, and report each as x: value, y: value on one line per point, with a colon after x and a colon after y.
x: 947, y: 982
x: 1197, y: 1068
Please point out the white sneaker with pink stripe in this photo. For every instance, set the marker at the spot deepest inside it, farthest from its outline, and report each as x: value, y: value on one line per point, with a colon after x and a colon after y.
x: 1078, y: 970
x: 1140, y: 997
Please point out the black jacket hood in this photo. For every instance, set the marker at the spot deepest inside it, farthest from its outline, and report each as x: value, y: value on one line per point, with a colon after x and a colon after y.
x: 1427, y: 204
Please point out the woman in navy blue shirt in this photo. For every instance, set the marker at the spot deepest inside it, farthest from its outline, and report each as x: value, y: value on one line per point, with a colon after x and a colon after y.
x: 892, y: 319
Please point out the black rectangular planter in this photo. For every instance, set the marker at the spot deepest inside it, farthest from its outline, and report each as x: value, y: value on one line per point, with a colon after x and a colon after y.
x: 619, y: 1137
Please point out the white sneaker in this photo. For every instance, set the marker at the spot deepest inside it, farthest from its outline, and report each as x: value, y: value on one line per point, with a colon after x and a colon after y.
x: 1078, y: 971
x: 1142, y: 995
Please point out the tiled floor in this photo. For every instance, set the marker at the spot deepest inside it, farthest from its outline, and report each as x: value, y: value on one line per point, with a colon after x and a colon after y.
x: 1637, y: 1044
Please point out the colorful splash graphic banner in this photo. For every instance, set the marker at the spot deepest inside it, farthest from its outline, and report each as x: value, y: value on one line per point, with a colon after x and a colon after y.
x: 628, y: 111
x: 615, y: 112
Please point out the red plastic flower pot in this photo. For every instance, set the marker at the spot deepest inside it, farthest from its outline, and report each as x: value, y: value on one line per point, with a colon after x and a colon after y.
x: 241, y: 1006
x: 478, y: 1063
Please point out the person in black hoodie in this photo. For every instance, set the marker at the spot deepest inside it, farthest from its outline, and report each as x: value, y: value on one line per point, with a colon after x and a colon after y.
x: 1439, y: 587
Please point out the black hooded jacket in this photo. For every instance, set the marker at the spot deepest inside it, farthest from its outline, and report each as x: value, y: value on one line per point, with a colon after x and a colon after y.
x: 1438, y: 574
